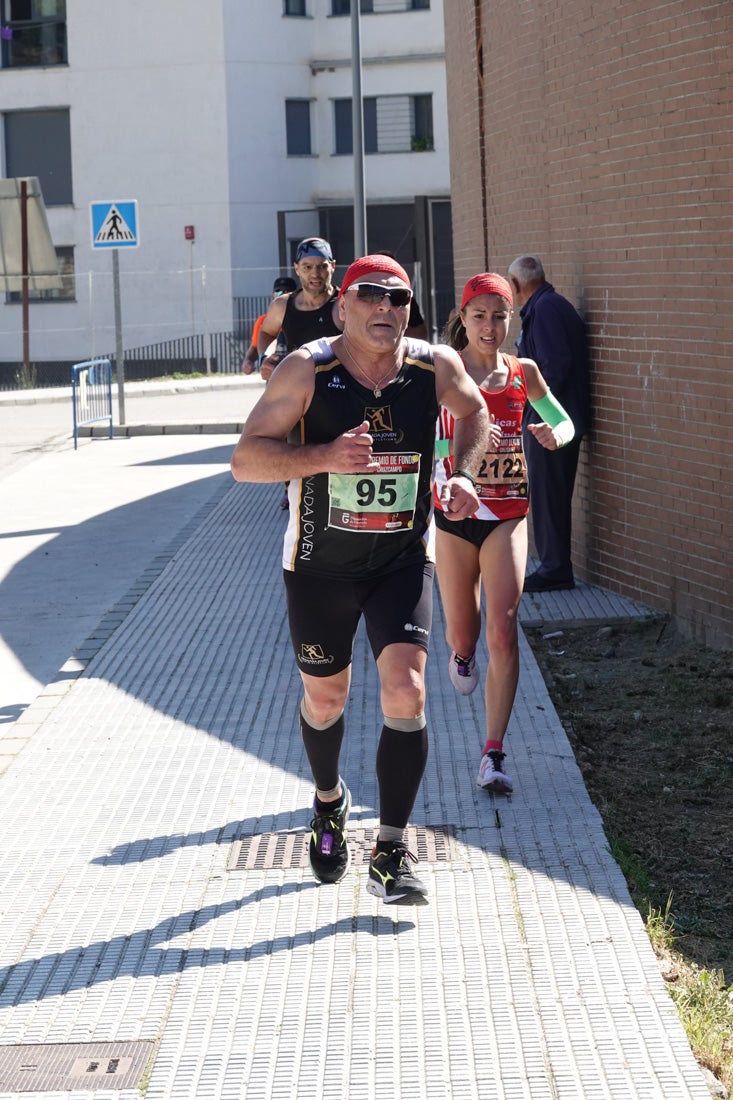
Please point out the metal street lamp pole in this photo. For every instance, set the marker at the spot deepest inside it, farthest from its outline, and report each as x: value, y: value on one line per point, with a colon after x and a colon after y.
x: 357, y: 129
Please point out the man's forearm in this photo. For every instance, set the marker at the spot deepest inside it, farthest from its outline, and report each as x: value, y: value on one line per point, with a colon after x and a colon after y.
x: 264, y: 460
x: 264, y: 339
x: 471, y: 441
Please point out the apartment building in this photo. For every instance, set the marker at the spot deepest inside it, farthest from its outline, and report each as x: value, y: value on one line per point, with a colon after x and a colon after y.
x: 229, y: 127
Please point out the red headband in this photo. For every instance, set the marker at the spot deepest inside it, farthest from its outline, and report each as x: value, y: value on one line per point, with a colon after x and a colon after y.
x: 488, y: 283
x: 368, y: 265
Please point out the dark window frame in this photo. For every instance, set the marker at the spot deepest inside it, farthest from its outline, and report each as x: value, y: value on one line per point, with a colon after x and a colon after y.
x: 31, y: 39
x: 343, y: 130
x: 343, y: 7
x: 44, y: 150
x: 422, y: 138
x: 295, y: 128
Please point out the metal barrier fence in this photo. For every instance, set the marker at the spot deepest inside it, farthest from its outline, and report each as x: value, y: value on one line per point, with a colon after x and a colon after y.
x: 203, y: 353
x: 91, y: 394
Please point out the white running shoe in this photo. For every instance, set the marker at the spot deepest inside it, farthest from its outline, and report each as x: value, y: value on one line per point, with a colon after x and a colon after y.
x: 463, y: 673
x: 491, y: 773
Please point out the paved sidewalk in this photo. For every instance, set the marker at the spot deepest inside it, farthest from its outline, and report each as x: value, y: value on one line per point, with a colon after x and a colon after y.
x: 162, y: 934
x: 74, y: 525
x: 35, y: 422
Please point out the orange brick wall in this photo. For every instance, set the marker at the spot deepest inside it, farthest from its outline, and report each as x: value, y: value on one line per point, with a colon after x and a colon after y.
x: 608, y: 151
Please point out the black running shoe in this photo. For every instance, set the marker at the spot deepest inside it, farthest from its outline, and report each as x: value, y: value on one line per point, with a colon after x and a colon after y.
x: 328, y: 851
x: 390, y: 877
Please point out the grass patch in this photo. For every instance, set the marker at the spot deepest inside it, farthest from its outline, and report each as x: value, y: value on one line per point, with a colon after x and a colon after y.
x: 703, y: 1001
x: 649, y: 715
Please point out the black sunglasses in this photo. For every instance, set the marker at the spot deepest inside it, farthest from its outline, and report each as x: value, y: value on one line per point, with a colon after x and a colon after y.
x: 375, y: 292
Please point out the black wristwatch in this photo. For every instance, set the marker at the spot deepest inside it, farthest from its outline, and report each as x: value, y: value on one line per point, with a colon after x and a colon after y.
x: 464, y: 473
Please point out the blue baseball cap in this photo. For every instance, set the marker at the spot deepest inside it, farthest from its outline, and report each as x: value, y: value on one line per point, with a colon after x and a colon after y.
x: 314, y: 246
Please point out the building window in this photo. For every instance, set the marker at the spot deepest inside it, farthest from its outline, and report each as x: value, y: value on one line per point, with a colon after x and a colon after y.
x: 65, y: 293
x: 422, y: 123
x: 392, y: 124
x: 33, y: 32
x: 343, y: 7
x: 38, y: 143
x: 343, y: 135
x: 294, y: 7
x: 298, y: 127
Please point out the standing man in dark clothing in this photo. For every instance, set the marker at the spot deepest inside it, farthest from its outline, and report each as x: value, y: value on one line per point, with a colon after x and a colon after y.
x: 553, y: 334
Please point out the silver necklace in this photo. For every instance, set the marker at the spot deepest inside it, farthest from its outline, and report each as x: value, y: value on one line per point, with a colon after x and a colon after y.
x: 376, y: 386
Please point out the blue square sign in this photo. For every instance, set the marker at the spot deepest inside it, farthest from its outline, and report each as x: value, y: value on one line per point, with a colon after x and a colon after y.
x: 114, y: 224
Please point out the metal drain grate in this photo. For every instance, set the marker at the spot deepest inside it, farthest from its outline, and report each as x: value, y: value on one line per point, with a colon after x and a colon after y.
x: 57, y: 1067
x: 267, y: 851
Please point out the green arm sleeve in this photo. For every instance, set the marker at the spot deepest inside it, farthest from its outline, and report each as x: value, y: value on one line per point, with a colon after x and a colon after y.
x: 552, y: 412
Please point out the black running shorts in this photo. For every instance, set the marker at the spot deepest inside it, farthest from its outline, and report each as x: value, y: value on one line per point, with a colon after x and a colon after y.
x: 471, y: 530
x: 324, y: 614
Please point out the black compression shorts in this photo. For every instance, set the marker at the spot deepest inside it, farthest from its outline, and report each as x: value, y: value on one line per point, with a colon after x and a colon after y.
x: 324, y: 614
x: 475, y: 531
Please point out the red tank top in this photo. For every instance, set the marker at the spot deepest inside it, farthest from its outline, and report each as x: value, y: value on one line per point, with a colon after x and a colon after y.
x: 502, y: 479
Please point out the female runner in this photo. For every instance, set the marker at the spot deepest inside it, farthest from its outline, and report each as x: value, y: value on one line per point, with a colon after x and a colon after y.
x: 490, y: 547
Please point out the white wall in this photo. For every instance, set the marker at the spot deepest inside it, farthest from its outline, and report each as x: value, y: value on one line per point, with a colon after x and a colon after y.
x: 268, y: 61
x: 182, y: 107
x: 146, y: 95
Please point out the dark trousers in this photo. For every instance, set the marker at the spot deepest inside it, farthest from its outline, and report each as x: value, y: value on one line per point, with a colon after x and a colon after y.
x: 551, y: 482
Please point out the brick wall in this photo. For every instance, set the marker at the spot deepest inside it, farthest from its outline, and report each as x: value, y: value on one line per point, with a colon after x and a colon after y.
x: 608, y: 150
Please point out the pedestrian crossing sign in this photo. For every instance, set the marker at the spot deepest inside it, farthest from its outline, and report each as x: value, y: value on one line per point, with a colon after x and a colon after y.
x: 114, y: 224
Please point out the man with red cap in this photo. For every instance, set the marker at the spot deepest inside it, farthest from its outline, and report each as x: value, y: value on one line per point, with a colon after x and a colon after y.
x: 350, y: 422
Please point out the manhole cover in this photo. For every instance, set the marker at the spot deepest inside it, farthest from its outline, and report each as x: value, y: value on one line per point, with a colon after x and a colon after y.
x: 267, y: 851
x: 60, y: 1067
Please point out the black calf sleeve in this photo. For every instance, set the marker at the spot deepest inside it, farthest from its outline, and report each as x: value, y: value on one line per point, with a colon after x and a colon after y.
x: 323, y: 748
x: 401, y: 760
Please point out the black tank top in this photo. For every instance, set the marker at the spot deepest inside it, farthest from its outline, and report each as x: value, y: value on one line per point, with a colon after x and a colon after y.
x: 354, y: 525
x: 303, y: 325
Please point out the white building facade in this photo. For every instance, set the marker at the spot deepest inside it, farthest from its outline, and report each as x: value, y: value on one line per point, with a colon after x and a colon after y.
x: 230, y: 127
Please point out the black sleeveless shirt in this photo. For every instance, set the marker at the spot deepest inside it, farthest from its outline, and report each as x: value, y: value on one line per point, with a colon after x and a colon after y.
x: 356, y: 525
x: 302, y: 325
